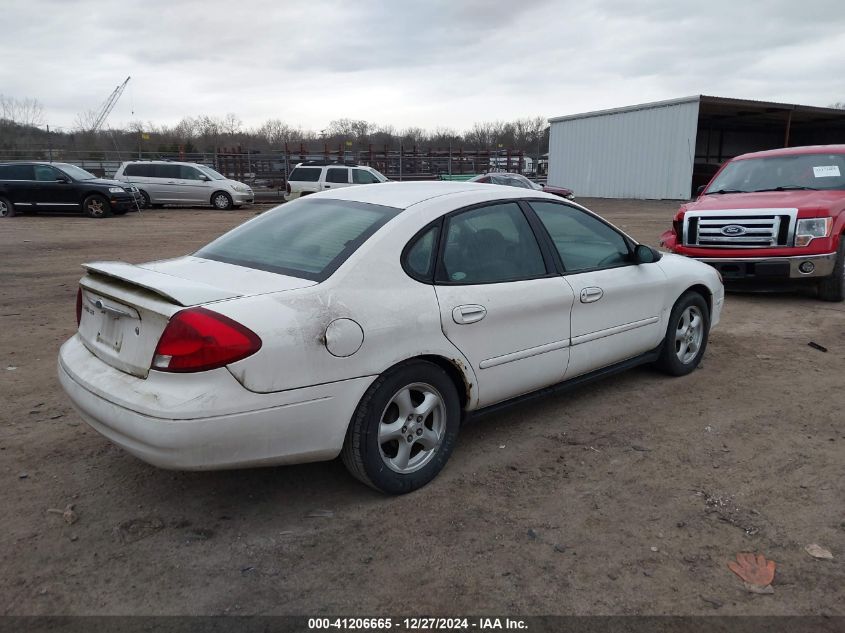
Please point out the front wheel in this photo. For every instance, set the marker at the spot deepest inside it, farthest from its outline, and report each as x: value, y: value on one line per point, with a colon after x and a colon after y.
x: 686, y: 336
x: 404, y: 428
x: 221, y: 200
x: 833, y: 288
x: 7, y: 209
x: 96, y: 206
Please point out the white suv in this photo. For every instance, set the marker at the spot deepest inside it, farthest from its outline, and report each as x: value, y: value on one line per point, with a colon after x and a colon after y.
x: 166, y: 182
x: 311, y: 177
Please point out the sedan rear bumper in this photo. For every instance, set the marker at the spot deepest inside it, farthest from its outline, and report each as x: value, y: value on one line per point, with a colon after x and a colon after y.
x: 207, y: 421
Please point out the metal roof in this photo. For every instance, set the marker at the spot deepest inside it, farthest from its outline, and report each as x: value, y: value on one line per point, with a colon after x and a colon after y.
x: 709, y: 101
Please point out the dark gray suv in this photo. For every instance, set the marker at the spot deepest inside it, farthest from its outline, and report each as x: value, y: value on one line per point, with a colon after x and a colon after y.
x: 37, y: 186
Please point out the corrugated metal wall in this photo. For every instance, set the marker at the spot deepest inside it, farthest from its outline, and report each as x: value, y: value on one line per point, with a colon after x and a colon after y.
x: 645, y: 153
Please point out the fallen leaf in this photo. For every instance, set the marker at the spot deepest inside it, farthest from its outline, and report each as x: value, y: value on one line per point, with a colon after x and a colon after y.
x: 754, y: 570
x: 817, y: 551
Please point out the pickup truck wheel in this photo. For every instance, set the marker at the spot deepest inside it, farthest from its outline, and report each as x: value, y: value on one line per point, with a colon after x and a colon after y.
x: 833, y: 288
x: 221, y: 200
x: 96, y: 206
x: 686, y: 335
x: 7, y: 209
x: 404, y: 428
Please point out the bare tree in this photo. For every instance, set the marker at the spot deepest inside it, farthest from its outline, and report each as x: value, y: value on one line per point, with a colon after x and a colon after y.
x: 839, y: 105
x: 26, y: 112
x: 231, y: 124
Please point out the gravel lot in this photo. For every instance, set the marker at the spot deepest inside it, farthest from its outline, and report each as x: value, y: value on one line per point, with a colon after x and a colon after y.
x: 626, y: 497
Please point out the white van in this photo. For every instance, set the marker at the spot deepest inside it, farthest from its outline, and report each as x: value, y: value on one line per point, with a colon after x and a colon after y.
x: 165, y: 182
x: 314, y: 176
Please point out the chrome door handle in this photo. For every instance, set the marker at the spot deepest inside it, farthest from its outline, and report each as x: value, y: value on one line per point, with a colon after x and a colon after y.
x: 463, y: 315
x: 591, y: 294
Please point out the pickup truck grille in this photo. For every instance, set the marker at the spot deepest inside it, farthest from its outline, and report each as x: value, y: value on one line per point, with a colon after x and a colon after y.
x: 740, y: 228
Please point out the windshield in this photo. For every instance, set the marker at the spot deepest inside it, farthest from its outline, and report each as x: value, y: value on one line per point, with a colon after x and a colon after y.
x: 802, y: 171
x: 305, y: 238
x: 208, y: 171
x: 77, y: 173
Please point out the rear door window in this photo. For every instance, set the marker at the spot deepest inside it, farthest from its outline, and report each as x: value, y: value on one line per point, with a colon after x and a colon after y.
x: 305, y: 174
x: 306, y: 238
x: 490, y: 244
x: 139, y: 171
x: 16, y: 172
x: 337, y: 174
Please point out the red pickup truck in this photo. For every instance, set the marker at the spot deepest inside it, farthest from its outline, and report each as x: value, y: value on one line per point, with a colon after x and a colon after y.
x: 773, y: 216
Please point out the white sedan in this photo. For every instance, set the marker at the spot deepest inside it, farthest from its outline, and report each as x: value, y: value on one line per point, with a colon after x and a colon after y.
x: 369, y: 322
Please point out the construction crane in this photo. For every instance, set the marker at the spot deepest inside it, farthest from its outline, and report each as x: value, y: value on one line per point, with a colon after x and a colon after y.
x: 108, y: 106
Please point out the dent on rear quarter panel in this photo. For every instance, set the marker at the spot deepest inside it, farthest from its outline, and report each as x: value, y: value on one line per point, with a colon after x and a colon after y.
x: 400, y: 318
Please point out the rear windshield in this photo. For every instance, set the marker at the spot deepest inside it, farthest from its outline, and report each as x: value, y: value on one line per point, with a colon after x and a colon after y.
x: 305, y: 174
x: 781, y: 173
x: 306, y: 238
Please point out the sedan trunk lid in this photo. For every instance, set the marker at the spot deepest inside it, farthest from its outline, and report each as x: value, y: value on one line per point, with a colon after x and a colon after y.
x: 125, y: 308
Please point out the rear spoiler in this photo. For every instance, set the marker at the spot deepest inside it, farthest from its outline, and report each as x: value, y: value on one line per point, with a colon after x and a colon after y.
x: 175, y: 289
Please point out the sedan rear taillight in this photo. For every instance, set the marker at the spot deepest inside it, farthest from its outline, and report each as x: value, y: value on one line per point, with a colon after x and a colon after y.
x: 78, y: 307
x: 198, y: 340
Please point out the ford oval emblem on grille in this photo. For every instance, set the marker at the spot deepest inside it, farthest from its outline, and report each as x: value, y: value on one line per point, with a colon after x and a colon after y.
x: 732, y: 230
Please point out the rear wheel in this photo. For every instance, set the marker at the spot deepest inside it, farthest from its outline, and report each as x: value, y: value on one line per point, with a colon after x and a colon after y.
x: 221, y: 200
x: 7, y: 209
x: 96, y: 206
x: 833, y: 288
x: 146, y: 198
x: 404, y: 428
x: 686, y: 335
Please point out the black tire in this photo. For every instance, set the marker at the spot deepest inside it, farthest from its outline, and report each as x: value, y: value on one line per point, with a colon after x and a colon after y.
x: 147, y: 204
x: 96, y: 206
x: 221, y: 200
x: 362, y: 452
x: 670, y: 360
x: 833, y: 288
x: 7, y: 209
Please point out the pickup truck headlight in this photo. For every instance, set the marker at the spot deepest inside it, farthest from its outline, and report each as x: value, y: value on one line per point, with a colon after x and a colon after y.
x: 117, y: 190
x: 810, y: 228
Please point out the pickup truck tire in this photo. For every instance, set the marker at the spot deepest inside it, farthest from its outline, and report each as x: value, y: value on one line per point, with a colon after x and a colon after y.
x: 833, y: 288
x: 96, y: 206
x: 7, y: 209
x: 419, y: 397
x: 686, y: 335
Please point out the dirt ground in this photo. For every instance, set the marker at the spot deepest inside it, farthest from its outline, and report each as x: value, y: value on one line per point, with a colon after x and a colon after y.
x: 628, y: 496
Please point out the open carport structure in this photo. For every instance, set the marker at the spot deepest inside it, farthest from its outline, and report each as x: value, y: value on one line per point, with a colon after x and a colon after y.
x: 666, y: 149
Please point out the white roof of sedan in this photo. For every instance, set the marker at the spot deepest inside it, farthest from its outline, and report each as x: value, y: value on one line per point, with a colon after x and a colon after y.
x: 401, y: 195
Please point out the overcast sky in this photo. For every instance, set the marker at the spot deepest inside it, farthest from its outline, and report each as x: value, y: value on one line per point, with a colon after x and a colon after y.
x: 429, y: 63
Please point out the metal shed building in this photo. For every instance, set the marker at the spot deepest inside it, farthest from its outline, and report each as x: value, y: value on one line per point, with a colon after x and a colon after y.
x: 666, y: 149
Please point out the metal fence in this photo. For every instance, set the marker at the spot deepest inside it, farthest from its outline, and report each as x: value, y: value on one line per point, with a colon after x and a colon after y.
x: 270, y: 169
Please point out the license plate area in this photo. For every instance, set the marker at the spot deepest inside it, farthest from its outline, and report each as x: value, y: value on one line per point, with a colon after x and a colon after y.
x: 107, y: 323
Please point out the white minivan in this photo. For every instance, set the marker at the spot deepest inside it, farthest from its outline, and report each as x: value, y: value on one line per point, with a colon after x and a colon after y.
x: 166, y: 182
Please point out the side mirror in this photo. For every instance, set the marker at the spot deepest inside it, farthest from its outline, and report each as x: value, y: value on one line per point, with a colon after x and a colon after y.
x: 700, y: 190
x: 646, y: 254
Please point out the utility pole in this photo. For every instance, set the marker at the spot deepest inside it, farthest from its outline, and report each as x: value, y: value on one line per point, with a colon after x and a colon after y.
x: 49, y: 144
x: 400, y: 161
